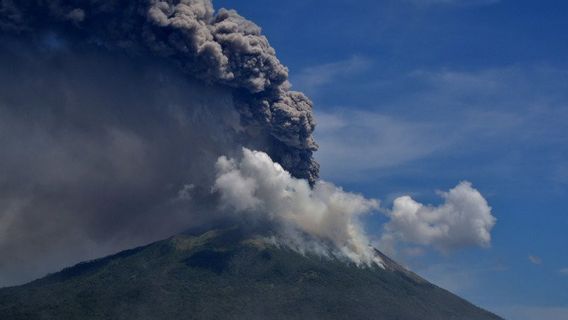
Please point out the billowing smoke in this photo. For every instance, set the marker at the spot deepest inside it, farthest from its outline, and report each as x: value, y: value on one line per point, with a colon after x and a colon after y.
x: 124, y: 122
x: 261, y: 188
x: 217, y: 47
x: 112, y: 115
x: 464, y: 219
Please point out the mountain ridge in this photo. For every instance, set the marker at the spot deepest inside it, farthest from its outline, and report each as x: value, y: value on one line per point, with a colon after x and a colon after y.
x: 227, y: 274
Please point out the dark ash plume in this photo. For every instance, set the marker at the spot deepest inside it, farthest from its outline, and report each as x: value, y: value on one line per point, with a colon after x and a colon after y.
x: 113, y: 114
x: 218, y: 47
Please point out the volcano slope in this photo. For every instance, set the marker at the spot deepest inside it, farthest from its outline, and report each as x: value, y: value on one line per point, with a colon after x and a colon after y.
x: 225, y: 274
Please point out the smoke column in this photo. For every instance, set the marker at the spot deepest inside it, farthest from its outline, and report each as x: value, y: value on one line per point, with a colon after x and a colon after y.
x: 113, y: 114
x: 216, y: 47
x: 125, y: 122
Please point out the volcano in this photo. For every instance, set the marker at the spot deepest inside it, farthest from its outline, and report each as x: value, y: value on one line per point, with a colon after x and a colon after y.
x: 231, y: 274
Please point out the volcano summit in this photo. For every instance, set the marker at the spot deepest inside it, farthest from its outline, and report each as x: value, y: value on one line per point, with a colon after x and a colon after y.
x: 225, y: 274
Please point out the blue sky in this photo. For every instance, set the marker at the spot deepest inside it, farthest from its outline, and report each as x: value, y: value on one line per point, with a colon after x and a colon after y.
x: 413, y: 96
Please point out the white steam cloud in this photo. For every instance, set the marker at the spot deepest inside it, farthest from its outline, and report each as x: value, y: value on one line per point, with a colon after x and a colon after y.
x: 257, y: 186
x: 325, y: 217
x: 464, y: 219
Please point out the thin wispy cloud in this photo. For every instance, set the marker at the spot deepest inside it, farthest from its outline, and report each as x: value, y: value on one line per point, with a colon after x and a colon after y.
x: 444, y: 111
x: 313, y: 78
x: 536, y: 260
x: 370, y: 141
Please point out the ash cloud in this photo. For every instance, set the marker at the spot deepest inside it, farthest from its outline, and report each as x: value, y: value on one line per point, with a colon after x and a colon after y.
x: 100, y: 153
x: 112, y: 115
x: 218, y: 47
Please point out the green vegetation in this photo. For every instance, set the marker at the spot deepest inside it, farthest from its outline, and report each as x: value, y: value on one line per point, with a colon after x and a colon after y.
x: 224, y: 275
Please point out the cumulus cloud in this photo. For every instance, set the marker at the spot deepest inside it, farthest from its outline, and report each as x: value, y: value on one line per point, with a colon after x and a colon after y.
x: 464, y: 219
x: 260, y: 188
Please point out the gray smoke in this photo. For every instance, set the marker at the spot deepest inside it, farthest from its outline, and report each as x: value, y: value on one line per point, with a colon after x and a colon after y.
x: 113, y: 114
x: 218, y: 47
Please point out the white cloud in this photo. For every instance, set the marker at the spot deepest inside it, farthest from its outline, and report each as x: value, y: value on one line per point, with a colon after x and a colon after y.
x: 464, y: 219
x: 261, y: 188
x: 563, y: 271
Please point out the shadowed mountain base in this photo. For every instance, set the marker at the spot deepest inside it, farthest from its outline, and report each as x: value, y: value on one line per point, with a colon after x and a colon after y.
x: 223, y: 274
